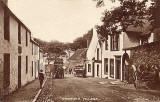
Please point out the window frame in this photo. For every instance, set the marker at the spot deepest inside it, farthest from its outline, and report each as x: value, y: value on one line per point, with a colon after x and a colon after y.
x: 106, y: 44
x: 115, y: 42
x: 19, y: 33
x: 26, y: 38
x: 106, y: 66
x: 6, y: 25
x: 26, y: 64
x: 89, y: 67
x: 97, y: 53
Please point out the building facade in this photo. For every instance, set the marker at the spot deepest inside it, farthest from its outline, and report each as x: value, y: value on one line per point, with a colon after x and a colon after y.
x: 114, y: 51
x: 16, y: 58
x: 93, y: 61
x: 105, y: 58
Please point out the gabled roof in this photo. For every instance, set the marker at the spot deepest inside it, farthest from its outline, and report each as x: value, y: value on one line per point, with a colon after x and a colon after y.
x: 93, y: 45
x: 79, y: 54
x: 34, y: 42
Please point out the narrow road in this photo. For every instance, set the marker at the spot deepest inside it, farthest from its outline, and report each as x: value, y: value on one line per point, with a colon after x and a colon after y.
x: 73, y: 89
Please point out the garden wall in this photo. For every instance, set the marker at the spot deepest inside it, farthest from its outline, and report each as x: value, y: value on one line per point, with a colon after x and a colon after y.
x: 146, y: 54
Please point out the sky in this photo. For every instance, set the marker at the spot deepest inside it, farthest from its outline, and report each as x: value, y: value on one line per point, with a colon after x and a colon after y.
x: 61, y: 20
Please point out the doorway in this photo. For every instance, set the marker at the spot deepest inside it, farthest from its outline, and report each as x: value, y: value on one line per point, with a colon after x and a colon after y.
x: 19, y: 71
x: 6, y: 77
x: 93, y: 69
x: 97, y: 70
x: 118, y: 67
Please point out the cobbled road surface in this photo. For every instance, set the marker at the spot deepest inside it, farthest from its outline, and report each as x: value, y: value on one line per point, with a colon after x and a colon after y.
x: 74, y: 89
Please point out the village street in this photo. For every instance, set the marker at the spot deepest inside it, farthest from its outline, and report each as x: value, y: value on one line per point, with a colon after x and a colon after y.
x: 75, y: 89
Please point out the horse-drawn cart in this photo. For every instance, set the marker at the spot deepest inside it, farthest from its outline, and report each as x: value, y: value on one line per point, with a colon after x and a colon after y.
x: 58, y: 71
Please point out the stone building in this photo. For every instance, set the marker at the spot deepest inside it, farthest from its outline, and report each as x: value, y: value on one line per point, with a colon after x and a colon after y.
x: 16, y: 54
x: 35, y: 57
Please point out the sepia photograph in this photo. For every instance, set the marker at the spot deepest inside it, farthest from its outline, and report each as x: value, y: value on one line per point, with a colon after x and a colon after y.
x: 79, y: 50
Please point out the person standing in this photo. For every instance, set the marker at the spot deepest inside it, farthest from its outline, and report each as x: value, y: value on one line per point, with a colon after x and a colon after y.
x: 41, y: 77
x: 62, y: 73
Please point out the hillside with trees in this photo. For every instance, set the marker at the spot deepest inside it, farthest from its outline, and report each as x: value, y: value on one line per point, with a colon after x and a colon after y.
x: 57, y: 48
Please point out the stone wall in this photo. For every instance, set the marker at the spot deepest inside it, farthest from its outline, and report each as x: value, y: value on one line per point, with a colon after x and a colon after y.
x: 146, y: 54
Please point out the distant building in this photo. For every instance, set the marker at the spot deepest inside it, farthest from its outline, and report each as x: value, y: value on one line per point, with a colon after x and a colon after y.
x: 41, y: 60
x: 36, y: 57
x: 78, y: 58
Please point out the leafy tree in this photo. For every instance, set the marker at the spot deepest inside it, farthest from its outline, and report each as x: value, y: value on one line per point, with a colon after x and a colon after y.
x: 130, y: 12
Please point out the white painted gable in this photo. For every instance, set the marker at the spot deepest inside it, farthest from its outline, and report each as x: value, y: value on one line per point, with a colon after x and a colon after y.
x: 93, y: 45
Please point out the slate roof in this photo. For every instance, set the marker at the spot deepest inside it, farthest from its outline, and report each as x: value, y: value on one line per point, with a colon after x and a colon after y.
x: 79, y: 54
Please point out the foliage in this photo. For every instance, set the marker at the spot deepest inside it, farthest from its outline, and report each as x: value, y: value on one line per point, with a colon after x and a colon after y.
x: 54, y: 49
x: 130, y: 12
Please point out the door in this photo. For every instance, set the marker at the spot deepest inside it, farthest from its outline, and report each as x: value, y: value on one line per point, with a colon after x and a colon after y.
x: 98, y: 70
x: 6, y: 77
x: 112, y: 68
x: 93, y: 69
x: 19, y: 71
x: 118, y: 67
x: 35, y: 69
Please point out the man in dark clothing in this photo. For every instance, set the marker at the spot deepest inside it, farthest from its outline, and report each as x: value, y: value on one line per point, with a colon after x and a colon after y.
x: 41, y: 78
x: 62, y: 72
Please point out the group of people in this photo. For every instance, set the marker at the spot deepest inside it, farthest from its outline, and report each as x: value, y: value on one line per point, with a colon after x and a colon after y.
x: 59, y: 73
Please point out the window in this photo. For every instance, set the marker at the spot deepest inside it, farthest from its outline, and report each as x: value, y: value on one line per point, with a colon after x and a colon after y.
x: 26, y: 64
x: 26, y: 38
x: 105, y: 65
x: 115, y: 43
x: 97, y: 54
x: 32, y: 68
x: 89, y: 67
x: 144, y: 40
x: 6, y: 26
x: 106, y: 45
x: 32, y: 48
x: 19, y: 33
x: 35, y: 68
x: 112, y: 68
x: 6, y: 74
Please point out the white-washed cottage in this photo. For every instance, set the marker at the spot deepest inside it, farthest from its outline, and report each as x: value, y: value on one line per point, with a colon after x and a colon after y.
x: 94, y: 57
x: 16, y: 52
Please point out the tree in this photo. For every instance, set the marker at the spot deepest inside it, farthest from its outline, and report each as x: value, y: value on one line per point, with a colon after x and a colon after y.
x: 130, y: 12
